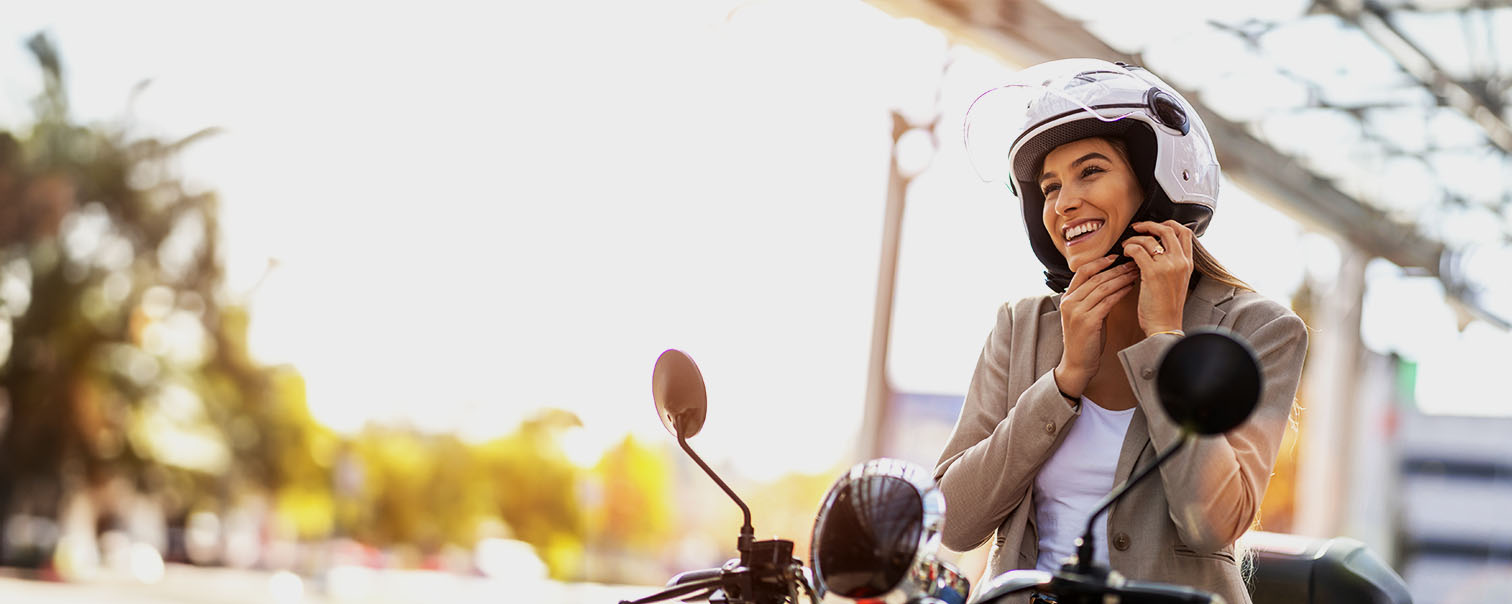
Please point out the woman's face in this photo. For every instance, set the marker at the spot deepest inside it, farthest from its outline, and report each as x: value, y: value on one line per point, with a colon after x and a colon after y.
x: 1091, y: 192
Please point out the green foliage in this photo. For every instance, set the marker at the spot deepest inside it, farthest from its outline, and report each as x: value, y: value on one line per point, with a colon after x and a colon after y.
x: 636, y: 482
x: 392, y: 486
x: 535, y: 488
x: 64, y: 390
x: 127, y: 358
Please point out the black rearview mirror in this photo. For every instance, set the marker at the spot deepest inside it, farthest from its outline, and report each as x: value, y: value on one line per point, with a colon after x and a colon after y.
x: 1209, y: 382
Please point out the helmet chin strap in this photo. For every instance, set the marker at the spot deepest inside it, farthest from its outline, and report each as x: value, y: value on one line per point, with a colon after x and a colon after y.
x: 1058, y: 279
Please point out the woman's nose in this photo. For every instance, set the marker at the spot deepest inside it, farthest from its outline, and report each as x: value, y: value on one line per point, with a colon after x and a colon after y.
x: 1067, y: 201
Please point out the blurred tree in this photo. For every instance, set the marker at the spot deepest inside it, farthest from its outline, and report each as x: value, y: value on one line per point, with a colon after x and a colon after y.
x: 422, y: 489
x: 535, y: 489
x: 125, y: 357
x: 302, y: 456
x: 637, y: 492
x: 396, y: 464
x: 634, y: 522
x: 458, y: 485
x: 431, y: 490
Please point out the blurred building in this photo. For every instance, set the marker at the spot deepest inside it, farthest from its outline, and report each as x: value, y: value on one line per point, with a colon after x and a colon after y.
x: 1452, y: 492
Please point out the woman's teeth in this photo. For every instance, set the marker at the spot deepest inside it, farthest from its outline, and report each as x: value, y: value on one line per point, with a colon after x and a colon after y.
x: 1082, y: 229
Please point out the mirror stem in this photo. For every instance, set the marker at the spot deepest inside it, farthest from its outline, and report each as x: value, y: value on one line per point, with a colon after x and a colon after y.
x: 1084, y: 545
x: 747, y: 534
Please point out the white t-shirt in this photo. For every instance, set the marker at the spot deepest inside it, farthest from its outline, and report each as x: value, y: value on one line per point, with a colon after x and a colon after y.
x: 1075, y: 477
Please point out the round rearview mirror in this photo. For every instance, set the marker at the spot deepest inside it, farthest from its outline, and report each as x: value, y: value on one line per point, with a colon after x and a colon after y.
x: 1209, y: 382
x: 678, y: 387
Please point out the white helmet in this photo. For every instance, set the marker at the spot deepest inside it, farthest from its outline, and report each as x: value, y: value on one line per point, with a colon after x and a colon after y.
x: 1009, y: 130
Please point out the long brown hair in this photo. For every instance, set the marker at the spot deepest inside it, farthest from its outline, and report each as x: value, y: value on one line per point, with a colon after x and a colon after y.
x: 1204, y: 262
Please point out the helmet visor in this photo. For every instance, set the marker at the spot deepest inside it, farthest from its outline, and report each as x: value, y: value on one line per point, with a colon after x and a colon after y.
x: 1001, y: 120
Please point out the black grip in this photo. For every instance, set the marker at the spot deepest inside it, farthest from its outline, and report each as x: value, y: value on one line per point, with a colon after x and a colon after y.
x: 694, y: 575
x: 1141, y: 592
x: 677, y: 591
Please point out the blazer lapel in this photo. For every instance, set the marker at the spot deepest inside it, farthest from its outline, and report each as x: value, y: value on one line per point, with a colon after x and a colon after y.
x: 1134, y: 442
x: 1202, y: 304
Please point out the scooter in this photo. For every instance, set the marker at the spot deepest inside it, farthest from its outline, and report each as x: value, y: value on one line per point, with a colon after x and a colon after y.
x: 876, y: 537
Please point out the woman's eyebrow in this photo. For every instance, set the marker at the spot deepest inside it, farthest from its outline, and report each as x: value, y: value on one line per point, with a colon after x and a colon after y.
x: 1090, y: 156
x: 1079, y: 161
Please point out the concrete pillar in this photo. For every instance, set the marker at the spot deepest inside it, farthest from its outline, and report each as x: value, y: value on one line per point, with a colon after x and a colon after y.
x: 874, y: 423
x: 1331, y: 383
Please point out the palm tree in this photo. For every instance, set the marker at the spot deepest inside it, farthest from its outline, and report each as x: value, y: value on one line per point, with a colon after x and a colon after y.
x: 124, y: 361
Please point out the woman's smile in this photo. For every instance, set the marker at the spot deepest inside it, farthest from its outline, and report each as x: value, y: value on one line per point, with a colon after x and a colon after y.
x: 1080, y: 231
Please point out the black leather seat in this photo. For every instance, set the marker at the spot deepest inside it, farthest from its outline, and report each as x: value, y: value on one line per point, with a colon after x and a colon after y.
x: 1288, y: 569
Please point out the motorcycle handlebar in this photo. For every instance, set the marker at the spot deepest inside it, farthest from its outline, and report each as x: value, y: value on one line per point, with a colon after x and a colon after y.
x: 695, y: 575
x: 1070, y: 585
x: 677, y: 591
x: 689, y: 583
x: 1141, y: 592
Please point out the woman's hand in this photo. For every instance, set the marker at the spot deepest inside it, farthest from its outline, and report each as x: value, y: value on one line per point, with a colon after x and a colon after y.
x: 1092, y: 294
x: 1164, y: 256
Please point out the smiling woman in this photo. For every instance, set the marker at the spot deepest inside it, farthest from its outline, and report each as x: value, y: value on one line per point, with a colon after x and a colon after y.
x: 1116, y: 178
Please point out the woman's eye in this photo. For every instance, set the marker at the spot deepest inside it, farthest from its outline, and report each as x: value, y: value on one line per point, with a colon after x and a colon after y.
x: 1090, y: 170
x: 1050, y: 188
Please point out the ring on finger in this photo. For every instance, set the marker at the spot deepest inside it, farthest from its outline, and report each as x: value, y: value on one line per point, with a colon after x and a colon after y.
x: 1159, y: 249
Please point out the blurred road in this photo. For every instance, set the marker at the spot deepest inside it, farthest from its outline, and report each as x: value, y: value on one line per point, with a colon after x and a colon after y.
x: 186, y: 584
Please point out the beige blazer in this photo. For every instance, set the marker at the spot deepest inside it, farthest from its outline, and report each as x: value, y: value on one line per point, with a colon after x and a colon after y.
x: 1179, y: 528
